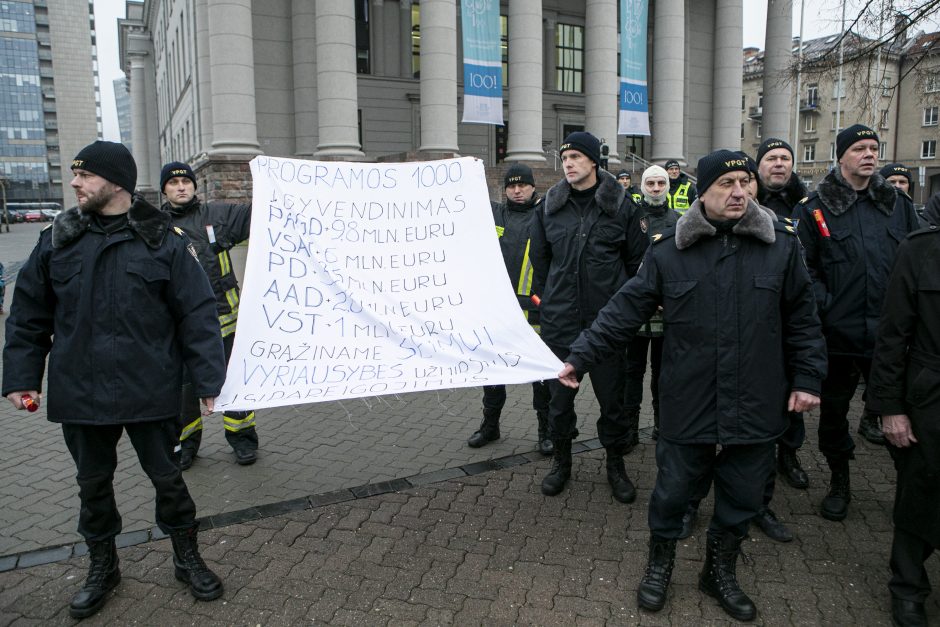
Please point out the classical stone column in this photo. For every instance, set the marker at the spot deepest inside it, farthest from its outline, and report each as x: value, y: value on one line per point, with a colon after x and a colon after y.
x: 152, y: 147
x: 525, y: 81
x: 337, y: 86
x: 304, y: 52
x: 600, y: 72
x: 404, y: 34
x: 729, y: 67
x: 234, y: 124
x: 777, y: 60
x: 668, y: 97
x: 377, y: 31
x: 438, y: 76
x: 139, y: 123
x: 203, y: 76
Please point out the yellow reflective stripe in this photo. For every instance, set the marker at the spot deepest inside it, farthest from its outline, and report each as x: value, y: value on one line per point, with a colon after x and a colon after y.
x: 524, y: 288
x: 191, y: 428
x: 225, y: 263
x: 236, y: 424
x: 228, y: 330
x: 232, y: 297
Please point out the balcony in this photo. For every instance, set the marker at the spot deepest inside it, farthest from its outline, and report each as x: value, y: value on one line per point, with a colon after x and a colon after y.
x: 755, y: 113
x: 809, y: 105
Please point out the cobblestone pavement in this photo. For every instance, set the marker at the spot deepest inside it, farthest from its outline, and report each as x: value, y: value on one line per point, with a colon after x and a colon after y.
x: 376, y: 512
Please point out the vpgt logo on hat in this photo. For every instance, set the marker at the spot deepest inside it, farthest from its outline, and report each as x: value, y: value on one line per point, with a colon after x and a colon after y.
x: 78, y: 163
x: 736, y: 163
x: 179, y: 173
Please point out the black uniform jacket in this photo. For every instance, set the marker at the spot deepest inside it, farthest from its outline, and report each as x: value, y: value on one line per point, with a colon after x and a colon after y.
x: 782, y: 201
x: 905, y: 378
x: 126, y: 309
x: 850, y: 245
x: 514, y: 226
x: 580, y: 261
x: 231, y: 225
x: 740, y: 322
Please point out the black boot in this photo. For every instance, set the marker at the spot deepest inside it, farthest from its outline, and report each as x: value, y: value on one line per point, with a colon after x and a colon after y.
x: 103, y: 576
x: 869, y: 427
x: 651, y: 595
x: 768, y: 522
x: 718, y: 578
x: 788, y: 467
x: 688, y: 521
x: 489, y: 429
x: 554, y: 482
x: 655, y: 421
x: 204, y: 584
x: 907, y: 613
x: 189, y: 448
x: 836, y: 504
x: 244, y: 442
x: 620, y: 484
x: 545, y: 442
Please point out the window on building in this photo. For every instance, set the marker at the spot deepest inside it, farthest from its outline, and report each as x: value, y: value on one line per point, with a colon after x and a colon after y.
x: 812, y: 95
x: 838, y: 89
x: 760, y: 102
x: 931, y: 116
x: 415, y: 41
x: 809, y: 123
x: 886, y: 86
x: 362, y: 36
x: 832, y: 152
x: 743, y: 105
x: 758, y: 130
x: 569, y: 57
x: 809, y: 152
x: 884, y: 119
x: 882, y: 150
x: 932, y: 83
x: 840, y: 122
x: 928, y: 149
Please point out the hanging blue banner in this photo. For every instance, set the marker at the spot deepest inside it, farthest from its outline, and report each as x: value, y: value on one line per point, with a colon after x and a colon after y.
x: 634, y: 96
x: 482, y: 62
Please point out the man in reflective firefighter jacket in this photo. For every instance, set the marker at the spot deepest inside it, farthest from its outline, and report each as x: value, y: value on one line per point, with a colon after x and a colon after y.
x: 214, y: 228
x: 682, y: 191
x: 513, y: 220
x: 850, y: 228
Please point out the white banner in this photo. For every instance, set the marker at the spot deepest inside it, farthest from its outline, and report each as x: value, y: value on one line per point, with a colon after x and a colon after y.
x: 366, y: 279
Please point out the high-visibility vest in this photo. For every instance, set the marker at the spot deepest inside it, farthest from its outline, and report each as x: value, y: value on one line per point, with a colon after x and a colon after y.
x: 680, y: 199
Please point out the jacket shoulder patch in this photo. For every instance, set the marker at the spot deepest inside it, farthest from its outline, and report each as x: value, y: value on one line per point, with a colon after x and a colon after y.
x: 785, y: 227
x: 924, y: 231
x: 178, y: 231
x: 657, y: 238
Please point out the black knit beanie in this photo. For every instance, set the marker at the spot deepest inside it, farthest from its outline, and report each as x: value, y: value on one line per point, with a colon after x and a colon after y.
x: 851, y: 135
x: 893, y: 169
x: 751, y: 164
x: 583, y: 142
x: 713, y: 165
x: 672, y: 163
x: 772, y: 143
x: 174, y: 169
x: 110, y: 161
x: 518, y: 173
x: 623, y: 174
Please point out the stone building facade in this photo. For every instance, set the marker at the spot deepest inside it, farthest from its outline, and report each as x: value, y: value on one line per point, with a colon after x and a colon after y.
x: 215, y: 82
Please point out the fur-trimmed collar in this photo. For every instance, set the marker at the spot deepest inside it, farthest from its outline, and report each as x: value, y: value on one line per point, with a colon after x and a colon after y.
x: 837, y: 195
x: 609, y: 194
x: 692, y: 226
x: 143, y: 218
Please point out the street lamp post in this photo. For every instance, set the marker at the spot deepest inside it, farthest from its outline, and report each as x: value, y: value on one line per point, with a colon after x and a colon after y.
x: 6, y: 214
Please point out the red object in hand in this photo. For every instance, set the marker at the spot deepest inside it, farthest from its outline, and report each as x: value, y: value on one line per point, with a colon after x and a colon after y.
x: 536, y: 300
x: 29, y: 403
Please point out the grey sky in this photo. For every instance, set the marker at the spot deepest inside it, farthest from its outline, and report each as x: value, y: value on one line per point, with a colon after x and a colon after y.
x: 822, y: 18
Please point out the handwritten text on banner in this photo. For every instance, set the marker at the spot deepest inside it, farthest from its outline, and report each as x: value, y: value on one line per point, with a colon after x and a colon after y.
x: 366, y: 279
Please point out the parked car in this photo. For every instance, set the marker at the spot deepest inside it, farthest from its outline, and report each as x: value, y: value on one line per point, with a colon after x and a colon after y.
x: 33, y: 216
x: 50, y: 214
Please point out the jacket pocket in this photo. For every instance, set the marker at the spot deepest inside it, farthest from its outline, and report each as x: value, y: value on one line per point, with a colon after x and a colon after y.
x: 145, y: 281
x: 923, y: 386
x: 841, y: 248
x: 767, y: 289
x: 66, y: 282
x: 679, y: 302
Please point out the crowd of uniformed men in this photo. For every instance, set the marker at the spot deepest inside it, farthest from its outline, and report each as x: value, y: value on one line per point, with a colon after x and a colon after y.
x: 751, y: 300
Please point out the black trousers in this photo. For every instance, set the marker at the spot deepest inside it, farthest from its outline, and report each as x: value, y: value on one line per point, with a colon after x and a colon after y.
x: 838, y: 388
x: 681, y: 471
x: 94, y: 449
x: 607, y: 379
x: 637, y: 350
x: 908, y: 576
x: 494, y: 397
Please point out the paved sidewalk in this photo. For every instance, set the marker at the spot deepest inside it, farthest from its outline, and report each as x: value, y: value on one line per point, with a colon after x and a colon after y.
x: 375, y: 512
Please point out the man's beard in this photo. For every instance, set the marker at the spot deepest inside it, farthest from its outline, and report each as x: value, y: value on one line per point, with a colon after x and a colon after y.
x: 94, y: 203
x: 655, y: 201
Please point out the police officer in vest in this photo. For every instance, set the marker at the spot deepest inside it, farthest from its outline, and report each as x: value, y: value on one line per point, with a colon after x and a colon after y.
x: 850, y: 228
x: 626, y: 180
x: 513, y: 220
x: 682, y: 191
